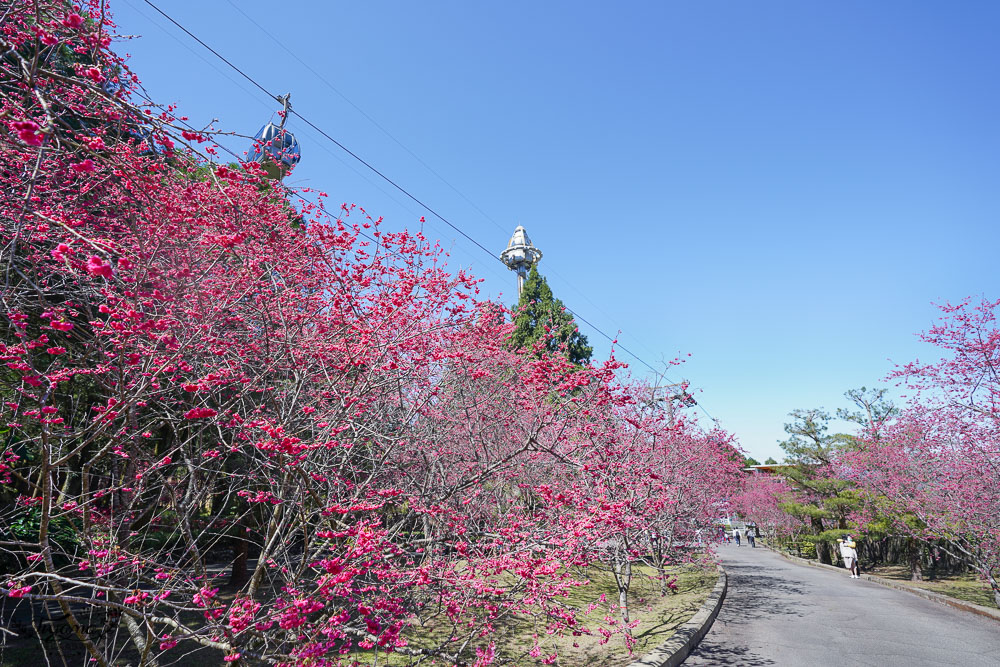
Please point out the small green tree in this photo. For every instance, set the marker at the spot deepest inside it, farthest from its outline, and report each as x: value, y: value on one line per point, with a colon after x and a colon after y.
x: 542, y: 317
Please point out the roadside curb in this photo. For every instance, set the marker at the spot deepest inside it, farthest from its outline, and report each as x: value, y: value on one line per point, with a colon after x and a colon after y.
x: 676, y: 649
x: 913, y: 590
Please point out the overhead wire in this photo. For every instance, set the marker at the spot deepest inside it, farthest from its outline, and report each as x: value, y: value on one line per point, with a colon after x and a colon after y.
x: 348, y: 165
x: 398, y: 187
x: 319, y: 76
x: 371, y: 167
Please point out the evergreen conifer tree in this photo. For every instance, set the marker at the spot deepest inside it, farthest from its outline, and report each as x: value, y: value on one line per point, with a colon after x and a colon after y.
x: 537, y: 310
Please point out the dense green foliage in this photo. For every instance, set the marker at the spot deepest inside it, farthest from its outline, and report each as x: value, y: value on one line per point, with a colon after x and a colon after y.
x: 541, y: 319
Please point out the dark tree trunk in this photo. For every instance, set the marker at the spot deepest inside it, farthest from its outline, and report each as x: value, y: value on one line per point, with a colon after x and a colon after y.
x: 916, y: 571
x: 241, y: 547
x: 822, y: 550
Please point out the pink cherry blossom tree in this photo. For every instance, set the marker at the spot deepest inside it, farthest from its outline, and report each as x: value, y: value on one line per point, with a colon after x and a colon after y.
x: 272, y: 433
x: 934, y: 469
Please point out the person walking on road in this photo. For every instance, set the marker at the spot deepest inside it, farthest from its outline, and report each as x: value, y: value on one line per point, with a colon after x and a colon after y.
x: 848, y: 551
x: 751, y: 540
x: 736, y: 536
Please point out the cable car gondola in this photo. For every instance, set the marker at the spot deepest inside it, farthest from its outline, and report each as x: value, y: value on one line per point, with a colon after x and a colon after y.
x: 274, y: 147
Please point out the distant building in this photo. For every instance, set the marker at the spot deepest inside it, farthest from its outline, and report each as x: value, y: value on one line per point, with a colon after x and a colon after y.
x: 768, y: 468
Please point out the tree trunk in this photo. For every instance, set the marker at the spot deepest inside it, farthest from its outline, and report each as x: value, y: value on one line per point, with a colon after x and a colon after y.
x: 241, y: 546
x: 623, y: 577
x: 823, y: 553
x: 659, y: 560
x: 141, y: 638
x: 932, y: 560
x: 916, y: 573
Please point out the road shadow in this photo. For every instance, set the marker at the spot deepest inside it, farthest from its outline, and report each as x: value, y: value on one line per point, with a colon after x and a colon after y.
x: 713, y: 654
x: 752, y: 596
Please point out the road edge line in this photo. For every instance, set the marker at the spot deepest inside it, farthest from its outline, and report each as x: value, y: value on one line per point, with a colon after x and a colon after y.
x: 676, y: 649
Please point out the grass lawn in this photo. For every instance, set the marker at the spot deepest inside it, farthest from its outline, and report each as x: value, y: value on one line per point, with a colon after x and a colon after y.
x: 658, y: 616
x: 967, y: 587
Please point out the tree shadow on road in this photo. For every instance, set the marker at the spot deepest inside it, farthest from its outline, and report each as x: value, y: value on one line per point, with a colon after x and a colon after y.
x: 751, y: 596
x: 711, y: 654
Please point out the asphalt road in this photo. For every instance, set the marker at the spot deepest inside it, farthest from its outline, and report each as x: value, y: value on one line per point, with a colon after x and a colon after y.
x: 781, y: 613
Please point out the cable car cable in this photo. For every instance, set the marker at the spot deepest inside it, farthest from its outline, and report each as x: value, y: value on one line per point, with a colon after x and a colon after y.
x: 416, y: 157
x: 357, y: 157
x: 361, y: 111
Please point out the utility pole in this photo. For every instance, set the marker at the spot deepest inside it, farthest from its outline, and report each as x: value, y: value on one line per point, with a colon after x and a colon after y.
x: 682, y: 396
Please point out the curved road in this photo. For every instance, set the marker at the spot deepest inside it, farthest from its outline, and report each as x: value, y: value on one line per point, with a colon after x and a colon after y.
x: 781, y: 613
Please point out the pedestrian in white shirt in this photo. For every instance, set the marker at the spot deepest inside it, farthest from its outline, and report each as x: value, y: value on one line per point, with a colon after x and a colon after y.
x: 849, y: 552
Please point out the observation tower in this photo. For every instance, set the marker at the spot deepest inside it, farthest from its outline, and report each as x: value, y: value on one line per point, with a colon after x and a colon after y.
x: 520, y: 256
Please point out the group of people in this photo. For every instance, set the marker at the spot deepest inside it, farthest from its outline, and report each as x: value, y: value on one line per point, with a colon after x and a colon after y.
x: 848, y: 547
x: 748, y: 532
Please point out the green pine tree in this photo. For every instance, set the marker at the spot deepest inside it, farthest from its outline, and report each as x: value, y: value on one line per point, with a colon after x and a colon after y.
x: 827, y: 502
x: 538, y: 310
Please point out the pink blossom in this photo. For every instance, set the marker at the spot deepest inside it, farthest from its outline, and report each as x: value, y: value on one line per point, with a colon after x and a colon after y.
x: 29, y: 132
x: 136, y: 597
x: 18, y: 592
x: 84, y: 167
x: 200, y: 413
x: 204, y: 596
x: 97, y: 267
x: 60, y: 251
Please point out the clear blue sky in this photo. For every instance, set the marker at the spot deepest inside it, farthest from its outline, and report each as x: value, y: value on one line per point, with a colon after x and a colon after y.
x: 780, y: 189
